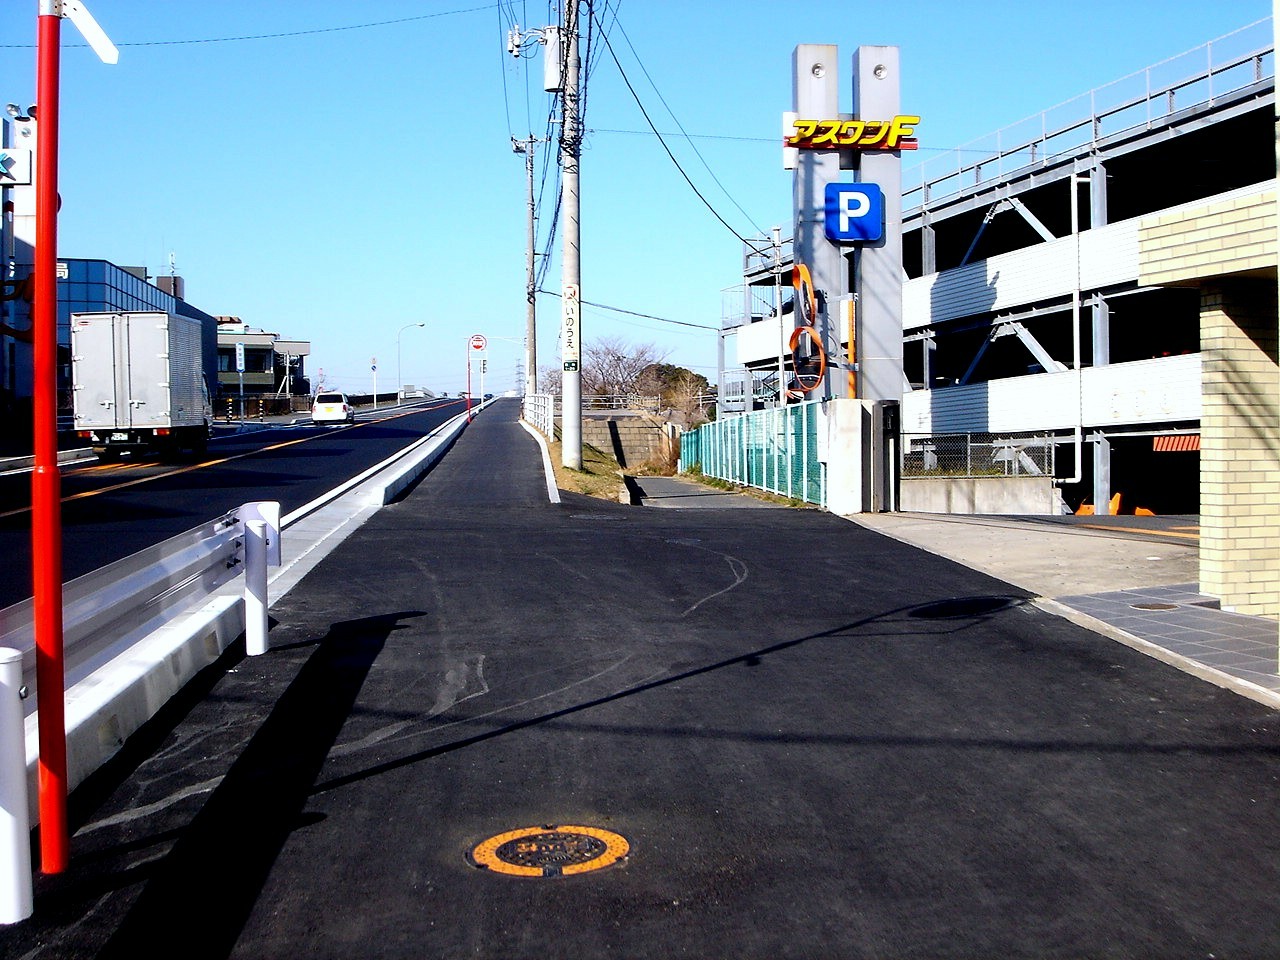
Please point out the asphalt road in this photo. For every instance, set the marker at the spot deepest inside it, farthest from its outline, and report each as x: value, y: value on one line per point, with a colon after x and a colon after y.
x: 817, y: 741
x: 112, y: 510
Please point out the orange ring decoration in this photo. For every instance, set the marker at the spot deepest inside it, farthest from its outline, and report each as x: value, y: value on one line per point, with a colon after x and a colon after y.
x: 806, y: 297
x: 812, y: 334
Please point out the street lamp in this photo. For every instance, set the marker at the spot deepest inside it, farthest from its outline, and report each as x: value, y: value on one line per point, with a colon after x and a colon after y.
x: 399, y: 381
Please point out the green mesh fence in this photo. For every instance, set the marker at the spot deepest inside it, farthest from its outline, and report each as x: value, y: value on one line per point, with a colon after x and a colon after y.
x: 774, y: 450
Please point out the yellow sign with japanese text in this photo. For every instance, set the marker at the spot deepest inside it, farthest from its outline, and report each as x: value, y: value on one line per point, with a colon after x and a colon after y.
x: 895, y: 134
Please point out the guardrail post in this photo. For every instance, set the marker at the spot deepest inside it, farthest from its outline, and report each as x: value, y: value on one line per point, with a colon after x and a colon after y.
x: 255, y: 587
x: 15, y: 828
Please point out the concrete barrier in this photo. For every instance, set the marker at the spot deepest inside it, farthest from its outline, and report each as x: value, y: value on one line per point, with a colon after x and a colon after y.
x: 991, y: 495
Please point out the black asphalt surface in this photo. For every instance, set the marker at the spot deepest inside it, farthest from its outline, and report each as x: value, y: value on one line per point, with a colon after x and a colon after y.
x: 109, y: 512
x: 819, y: 742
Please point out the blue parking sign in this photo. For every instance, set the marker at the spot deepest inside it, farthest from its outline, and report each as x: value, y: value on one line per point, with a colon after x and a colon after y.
x: 854, y: 211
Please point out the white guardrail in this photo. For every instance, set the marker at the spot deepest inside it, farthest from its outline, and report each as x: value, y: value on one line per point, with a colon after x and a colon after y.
x: 155, y: 619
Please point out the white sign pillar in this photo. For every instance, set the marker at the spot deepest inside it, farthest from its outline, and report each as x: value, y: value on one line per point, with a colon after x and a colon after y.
x: 816, y: 95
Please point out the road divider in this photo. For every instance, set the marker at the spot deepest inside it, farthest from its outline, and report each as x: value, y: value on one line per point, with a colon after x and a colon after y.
x: 137, y: 630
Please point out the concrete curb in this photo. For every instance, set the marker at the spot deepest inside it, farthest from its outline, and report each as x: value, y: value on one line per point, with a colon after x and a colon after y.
x: 1236, y: 685
x: 553, y: 492
x: 1196, y: 669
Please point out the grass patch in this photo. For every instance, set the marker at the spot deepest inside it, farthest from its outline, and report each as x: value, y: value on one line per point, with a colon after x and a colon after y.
x: 600, y: 476
x: 696, y: 474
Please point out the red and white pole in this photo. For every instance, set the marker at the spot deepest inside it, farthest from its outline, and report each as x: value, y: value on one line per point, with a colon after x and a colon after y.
x: 46, y: 484
x: 468, y: 381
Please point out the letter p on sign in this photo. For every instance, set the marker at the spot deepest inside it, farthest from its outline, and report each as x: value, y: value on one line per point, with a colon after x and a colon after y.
x: 854, y: 212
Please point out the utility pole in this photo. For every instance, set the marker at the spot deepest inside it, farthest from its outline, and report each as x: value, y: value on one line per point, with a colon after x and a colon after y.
x: 531, y: 310
x: 571, y: 270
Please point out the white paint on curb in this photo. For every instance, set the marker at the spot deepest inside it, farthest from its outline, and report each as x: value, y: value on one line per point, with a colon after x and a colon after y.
x: 553, y: 492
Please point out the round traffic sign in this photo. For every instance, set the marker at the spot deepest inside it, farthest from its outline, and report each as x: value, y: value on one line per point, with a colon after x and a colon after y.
x: 478, y: 341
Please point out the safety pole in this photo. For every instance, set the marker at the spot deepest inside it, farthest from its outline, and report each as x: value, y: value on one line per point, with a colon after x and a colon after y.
x: 255, y: 587
x: 468, y: 381
x: 15, y: 828
x: 46, y: 485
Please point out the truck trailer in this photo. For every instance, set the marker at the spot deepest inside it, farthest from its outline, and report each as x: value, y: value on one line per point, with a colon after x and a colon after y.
x: 138, y: 383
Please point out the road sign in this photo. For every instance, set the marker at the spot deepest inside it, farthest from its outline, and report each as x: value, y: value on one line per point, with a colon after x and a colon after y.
x: 239, y: 358
x: 478, y: 341
x: 854, y: 212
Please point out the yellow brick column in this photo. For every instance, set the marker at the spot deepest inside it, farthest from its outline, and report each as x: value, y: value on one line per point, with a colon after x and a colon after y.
x: 1240, y: 445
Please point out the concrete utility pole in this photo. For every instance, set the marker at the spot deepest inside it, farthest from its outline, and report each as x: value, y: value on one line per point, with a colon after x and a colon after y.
x: 531, y: 316
x: 571, y: 331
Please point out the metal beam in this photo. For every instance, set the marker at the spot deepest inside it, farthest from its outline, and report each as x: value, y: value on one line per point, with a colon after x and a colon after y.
x: 1031, y: 218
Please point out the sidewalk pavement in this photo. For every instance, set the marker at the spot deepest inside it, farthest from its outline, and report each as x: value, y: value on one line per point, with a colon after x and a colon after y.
x: 1133, y: 579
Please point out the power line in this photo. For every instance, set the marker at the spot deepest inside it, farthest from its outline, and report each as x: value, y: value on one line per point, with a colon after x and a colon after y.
x: 648, y: 120
x: 685, y: 133
x: 277, y: 36
x: 633, y: 313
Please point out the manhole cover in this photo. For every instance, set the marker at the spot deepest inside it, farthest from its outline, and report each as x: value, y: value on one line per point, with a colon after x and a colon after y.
x: 1154, y: 606
x: 550, y: 851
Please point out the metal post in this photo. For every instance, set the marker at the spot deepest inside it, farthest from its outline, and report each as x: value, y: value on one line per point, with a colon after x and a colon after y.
x: 468, y: 381
x: 399, y: 377
x: 15, y: 830
x: 46, y: 486
x: 777, y: 310
x: 255, y: 587
x: 571, y: 270
x: 530, y: 292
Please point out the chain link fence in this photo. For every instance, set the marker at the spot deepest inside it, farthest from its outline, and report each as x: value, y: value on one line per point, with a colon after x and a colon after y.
x: 774, y: 450
x: 977, y: 455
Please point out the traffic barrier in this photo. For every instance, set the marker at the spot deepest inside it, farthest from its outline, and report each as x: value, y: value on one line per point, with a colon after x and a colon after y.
x: 118, y: 615
x: 161, y: 615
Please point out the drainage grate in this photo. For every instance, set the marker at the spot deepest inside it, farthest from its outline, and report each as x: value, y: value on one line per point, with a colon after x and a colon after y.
x: 550, y: 851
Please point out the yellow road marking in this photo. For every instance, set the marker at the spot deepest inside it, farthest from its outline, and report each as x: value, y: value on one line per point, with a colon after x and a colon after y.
x: 1171, y: 532
x: 196, y: 466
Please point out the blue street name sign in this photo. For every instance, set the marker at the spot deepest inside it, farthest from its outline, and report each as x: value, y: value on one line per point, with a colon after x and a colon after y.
x: 854, y: 212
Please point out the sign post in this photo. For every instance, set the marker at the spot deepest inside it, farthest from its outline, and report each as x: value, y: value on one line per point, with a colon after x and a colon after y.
x: 240, y: 373
x: 477, y: 342
x: 46, y: 486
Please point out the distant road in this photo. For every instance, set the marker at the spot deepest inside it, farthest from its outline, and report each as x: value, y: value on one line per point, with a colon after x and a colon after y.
x: 112, y: 510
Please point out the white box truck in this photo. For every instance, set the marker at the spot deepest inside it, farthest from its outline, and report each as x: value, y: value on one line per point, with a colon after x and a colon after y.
x: 138, y: 383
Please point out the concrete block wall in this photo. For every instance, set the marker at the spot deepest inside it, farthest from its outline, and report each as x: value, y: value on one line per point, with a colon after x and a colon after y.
x: 1240, y: 446
x: 632, y: 440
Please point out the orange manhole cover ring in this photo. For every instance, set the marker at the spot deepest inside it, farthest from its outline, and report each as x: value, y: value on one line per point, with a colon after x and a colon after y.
x: 556, y: 851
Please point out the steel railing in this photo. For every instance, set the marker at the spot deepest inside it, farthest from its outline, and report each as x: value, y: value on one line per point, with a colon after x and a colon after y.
x: 1203, y: 75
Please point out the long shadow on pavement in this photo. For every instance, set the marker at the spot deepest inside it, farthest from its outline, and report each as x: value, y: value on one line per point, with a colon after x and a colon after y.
x: 971, y: 609
x: 190, y: 901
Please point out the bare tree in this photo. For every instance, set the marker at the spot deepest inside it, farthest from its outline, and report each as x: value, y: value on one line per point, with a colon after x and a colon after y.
x: 613, y: 367
x: 550, y: 380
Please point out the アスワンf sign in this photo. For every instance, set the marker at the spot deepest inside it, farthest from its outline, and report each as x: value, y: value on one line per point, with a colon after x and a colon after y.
x: 895, y: 134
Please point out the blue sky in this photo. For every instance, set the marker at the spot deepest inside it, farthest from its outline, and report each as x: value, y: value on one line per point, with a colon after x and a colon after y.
x: 337, y: 184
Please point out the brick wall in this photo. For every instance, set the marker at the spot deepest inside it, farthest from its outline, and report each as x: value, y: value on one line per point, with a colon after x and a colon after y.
x: 1240, y: 445
x: 1230, y: 236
